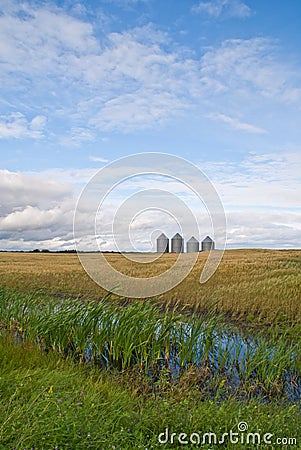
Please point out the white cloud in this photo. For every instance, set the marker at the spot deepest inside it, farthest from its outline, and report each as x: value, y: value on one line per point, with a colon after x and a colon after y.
x: 38, y: 123
x: 30, y: 217
x: 139, y: 95
x: 44, y: 38
x: 223, y: 8
x: 102, y: 86
x: 250, y: 66
x: 16, y: 126
x: 77, y: 136
x: 70, y: 177
x: 98, y: 159
x: 267, y: 229
x: 269, y: 181
x: 236, y: 124
x: 261, y: 197
x: 34, y: 209
x: 126, y: 3
x: 142, y: 109
x: 65, y: 59
x: 18, y: 190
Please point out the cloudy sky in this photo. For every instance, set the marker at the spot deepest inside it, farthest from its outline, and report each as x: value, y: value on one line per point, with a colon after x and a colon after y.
x: 217, y: 82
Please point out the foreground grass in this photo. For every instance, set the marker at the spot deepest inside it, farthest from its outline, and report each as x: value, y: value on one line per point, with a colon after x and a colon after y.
x: 50, y: 403
x: 153, y: 340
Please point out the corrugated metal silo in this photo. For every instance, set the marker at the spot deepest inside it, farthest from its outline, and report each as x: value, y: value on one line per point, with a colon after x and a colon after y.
x: 162, y: 244
x: 192, y: 245
x: 207, y: 244
x: 177, y: 244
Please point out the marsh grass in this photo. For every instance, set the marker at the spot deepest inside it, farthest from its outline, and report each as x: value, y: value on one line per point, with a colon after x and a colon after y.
x: 48, y: 402
x: 155, y: 340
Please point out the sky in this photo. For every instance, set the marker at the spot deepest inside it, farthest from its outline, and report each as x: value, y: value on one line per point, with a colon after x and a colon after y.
x: 216, y: 82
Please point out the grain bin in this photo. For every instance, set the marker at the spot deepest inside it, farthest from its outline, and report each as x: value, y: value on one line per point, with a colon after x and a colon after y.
x: 177, y: 244
x: 162, y: 244
x: 192, y: 245
x: 207, y: 244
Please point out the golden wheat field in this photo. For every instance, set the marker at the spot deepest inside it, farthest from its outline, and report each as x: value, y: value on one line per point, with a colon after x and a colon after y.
x: 252, y: 285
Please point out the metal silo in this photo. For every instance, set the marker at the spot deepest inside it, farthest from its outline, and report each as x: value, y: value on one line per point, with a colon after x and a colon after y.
x: 207, y: 244
x: 192, y: 245
x: 162, y: 244
x: 177, y: 244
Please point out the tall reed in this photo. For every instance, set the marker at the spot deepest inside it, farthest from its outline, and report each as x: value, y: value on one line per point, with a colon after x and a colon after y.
x: 147, y: 336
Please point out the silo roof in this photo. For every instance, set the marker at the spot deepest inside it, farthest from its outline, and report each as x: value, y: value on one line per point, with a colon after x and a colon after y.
x: 162, y: 236
x: 193, y: 239
x: 207, y: 239
x: 177, y: 236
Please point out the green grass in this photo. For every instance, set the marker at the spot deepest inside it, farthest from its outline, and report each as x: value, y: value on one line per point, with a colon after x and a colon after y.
x: 150, y: 338
x: 51, y: 398
x: 51, y: 403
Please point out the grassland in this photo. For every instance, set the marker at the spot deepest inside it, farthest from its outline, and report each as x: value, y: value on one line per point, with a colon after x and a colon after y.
x: 254, y: 287
x: 78, y: 371
x: 48, y: 403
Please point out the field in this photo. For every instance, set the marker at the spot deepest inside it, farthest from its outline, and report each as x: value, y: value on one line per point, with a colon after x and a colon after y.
x: 252, y: 286
x: 82, y: 371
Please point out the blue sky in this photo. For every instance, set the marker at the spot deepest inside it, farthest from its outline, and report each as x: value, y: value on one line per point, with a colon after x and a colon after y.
x: 215, y: 81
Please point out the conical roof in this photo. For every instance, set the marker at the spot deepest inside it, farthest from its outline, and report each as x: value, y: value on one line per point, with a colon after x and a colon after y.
x: 162, y: 236
x: 207, y: 239
x: 177, y: 236
x: 193, y: 239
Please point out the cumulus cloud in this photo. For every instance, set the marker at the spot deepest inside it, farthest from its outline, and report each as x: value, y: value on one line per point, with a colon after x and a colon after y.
x: 62, y: 51
x: 19, y: 189
x: 269, y: 181
x: 70, y: 178
x: 102, y: 87
x: 29, y: 217
x: 43, y: 38
x: 261, y: 198
x: 223, y: 8
x: 16, y: 126
x: 248, y: 66
x: 142, y: 109
x: 267, y: 229
x: 77, y: 136
x: 34, y: 210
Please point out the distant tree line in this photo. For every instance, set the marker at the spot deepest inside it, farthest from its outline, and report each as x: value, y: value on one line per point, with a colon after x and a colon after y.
x: 45, y: 250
